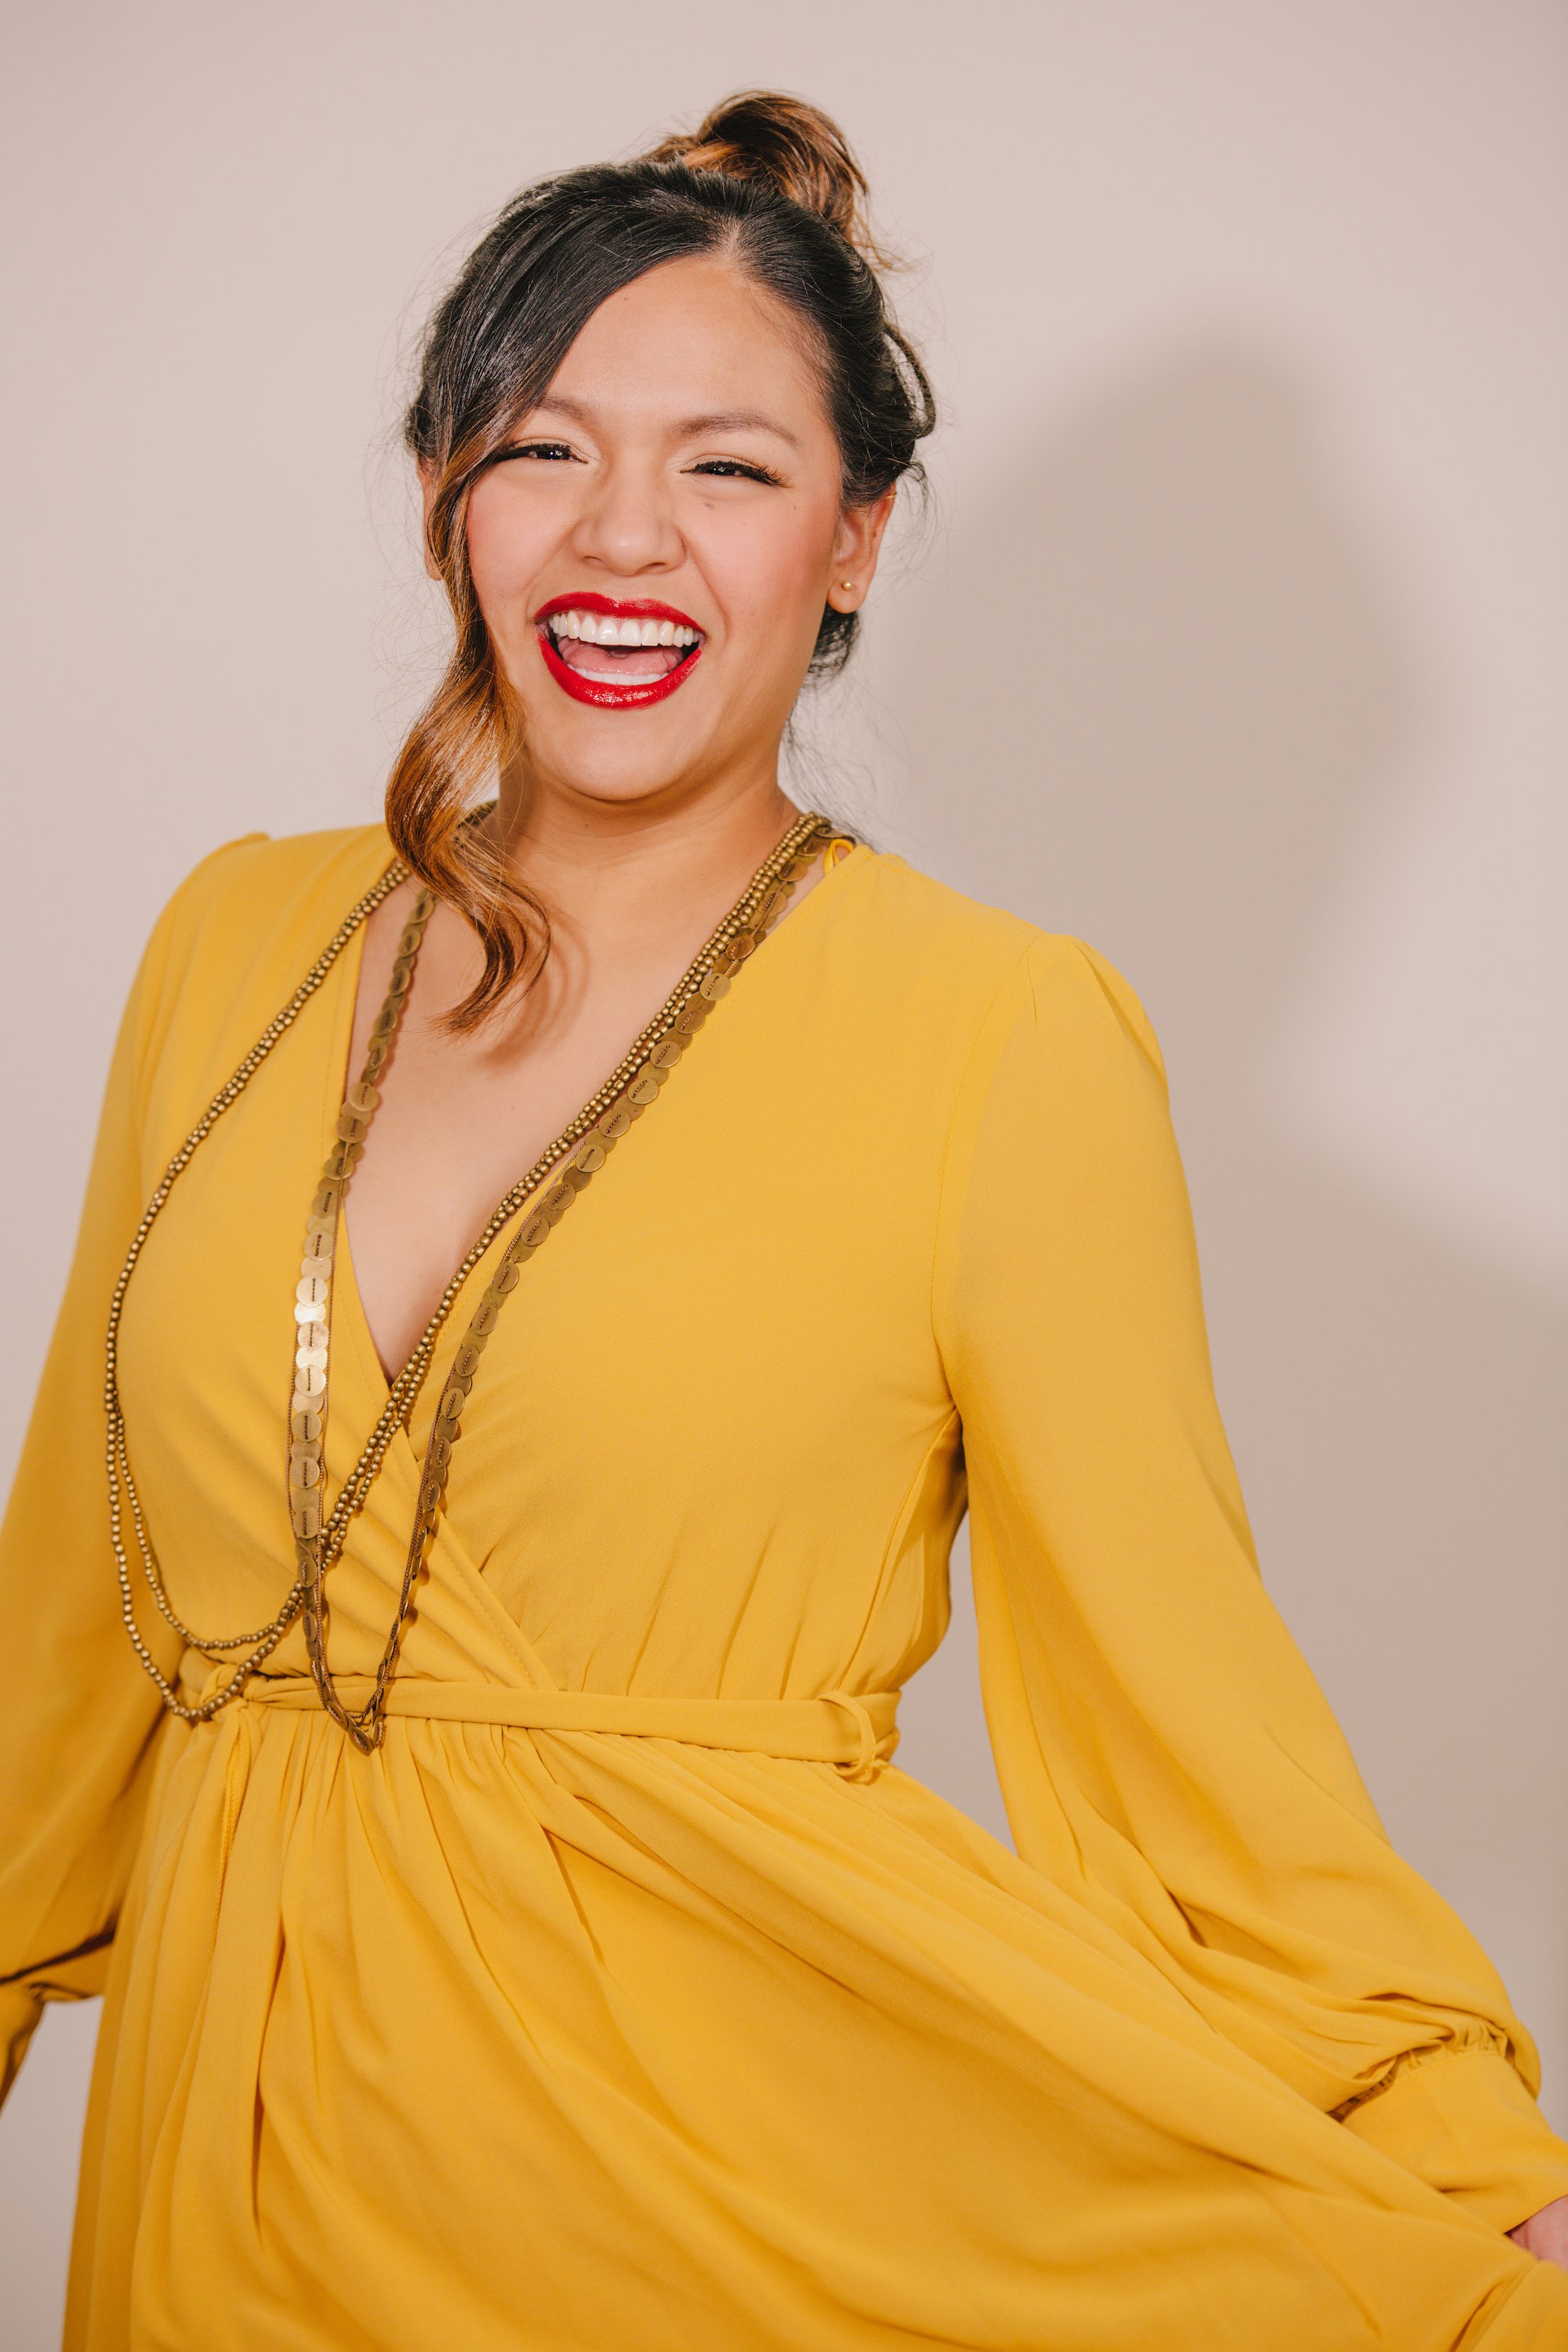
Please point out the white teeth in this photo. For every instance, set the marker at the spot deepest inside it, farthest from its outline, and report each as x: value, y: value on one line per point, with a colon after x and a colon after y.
x: 605, y: 629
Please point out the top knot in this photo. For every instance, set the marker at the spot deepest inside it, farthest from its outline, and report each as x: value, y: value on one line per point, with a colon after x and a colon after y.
x: 783, y: 144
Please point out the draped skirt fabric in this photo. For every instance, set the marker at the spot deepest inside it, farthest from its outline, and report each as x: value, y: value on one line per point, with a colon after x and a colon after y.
x: 517, y: 2039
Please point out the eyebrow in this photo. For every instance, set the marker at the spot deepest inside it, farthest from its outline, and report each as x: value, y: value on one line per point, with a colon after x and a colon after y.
x: 717, y: 420
x: 736, y: 420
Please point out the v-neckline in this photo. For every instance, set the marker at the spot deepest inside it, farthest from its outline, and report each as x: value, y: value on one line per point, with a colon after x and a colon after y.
x: 346, y: 1283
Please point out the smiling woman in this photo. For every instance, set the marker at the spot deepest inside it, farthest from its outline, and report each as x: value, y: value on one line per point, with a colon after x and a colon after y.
x: 517, y: 1935
x: 703, y: 378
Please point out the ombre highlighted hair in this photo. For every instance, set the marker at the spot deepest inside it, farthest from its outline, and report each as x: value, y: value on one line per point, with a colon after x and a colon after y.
x: 767, y: 182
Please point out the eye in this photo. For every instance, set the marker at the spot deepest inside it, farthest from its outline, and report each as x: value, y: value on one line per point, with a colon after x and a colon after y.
x: 734, y: 470
x: 552, y: 452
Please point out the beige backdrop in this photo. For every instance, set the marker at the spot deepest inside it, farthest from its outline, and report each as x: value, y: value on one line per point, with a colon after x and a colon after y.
x: 1231, y: 644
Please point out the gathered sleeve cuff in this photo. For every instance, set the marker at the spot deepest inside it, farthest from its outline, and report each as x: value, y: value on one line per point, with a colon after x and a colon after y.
x: 1460, y: 2115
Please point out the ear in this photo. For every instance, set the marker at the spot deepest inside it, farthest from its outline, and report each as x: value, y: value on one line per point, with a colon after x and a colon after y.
x: 856, y: 548
x: 428, y: 500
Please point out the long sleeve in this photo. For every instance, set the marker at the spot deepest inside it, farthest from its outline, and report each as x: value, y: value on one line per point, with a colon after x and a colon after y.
x: 1164, y: 1750
x: 78, y: 1727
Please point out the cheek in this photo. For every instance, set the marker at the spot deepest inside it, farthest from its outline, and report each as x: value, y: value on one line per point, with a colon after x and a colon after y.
x: 505, y: 548
x: 775, y: 571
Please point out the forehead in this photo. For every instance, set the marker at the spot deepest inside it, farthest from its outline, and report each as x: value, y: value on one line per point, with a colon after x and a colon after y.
x: 692, y: 337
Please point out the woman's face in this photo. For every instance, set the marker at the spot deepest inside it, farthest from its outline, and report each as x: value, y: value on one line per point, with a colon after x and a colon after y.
x: 653, y: 550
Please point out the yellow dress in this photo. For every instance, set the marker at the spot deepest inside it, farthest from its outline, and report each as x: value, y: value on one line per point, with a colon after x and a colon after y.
x: 697, y: 2026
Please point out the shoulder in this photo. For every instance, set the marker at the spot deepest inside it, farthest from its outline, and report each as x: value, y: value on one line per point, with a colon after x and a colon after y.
x: 259, y: 890
x: 905, y: 917
x: 238, y: 934
x: 995, y: 972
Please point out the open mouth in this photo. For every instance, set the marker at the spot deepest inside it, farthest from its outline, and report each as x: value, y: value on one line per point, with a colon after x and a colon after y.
x: 618, y: 655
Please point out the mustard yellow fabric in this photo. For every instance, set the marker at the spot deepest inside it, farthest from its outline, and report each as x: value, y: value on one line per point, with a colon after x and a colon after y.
x: 530, y: 2039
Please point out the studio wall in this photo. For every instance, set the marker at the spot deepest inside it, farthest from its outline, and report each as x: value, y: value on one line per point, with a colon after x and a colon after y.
x: 1229, y: 639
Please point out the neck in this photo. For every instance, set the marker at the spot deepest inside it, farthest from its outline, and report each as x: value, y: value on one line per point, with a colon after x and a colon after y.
x: 593, y: 861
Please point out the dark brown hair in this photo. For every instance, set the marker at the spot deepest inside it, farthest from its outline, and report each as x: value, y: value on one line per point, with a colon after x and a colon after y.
x: 766, y: 180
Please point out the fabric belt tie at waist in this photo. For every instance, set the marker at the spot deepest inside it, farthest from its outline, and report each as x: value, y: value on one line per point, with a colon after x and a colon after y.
x: 859, y: 1734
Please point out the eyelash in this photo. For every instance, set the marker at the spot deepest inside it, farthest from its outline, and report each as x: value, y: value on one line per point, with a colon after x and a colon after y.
x: 534, y: 449
x: 727, y: 468
x: 716, y: 469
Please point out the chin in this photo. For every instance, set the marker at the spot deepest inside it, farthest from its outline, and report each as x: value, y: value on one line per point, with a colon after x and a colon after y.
x: 617, y: 775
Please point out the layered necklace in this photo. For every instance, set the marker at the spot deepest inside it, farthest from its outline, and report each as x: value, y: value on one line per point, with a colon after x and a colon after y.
x: 573, y: 1159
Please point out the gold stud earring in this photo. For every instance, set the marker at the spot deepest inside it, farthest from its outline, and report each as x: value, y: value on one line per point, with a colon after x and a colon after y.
x: 846, y: 584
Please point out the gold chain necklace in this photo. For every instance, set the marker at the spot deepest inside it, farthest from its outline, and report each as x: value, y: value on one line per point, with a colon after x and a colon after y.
x: 319, y: 1540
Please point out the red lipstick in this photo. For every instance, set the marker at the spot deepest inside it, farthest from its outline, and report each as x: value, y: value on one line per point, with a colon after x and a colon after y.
x: 601, y: 688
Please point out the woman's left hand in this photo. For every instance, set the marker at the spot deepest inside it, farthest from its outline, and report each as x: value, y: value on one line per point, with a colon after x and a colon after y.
x: 1546, y: 2233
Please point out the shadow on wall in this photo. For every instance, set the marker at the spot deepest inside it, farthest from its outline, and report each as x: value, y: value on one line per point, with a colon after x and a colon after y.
x: 1183, y: 687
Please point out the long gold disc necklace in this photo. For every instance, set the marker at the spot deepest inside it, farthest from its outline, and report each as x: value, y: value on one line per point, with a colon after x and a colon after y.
x: 583, y: 1147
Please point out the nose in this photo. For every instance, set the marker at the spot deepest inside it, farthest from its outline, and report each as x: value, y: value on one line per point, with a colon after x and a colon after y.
x: 625, y: 526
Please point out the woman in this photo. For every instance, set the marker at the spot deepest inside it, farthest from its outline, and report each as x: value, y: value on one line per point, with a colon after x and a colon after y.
x: 514, y: 1935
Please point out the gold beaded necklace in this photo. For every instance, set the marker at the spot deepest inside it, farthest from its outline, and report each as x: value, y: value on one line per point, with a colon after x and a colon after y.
x: 584, y: 1146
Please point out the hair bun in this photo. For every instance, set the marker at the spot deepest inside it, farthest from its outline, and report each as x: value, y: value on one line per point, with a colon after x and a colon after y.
x: 761, y: 134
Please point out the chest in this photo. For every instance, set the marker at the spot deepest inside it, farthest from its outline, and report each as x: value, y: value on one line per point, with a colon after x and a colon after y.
x: 724, y: 1354
x: 464, y: 1118
x: 712, y: 1443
